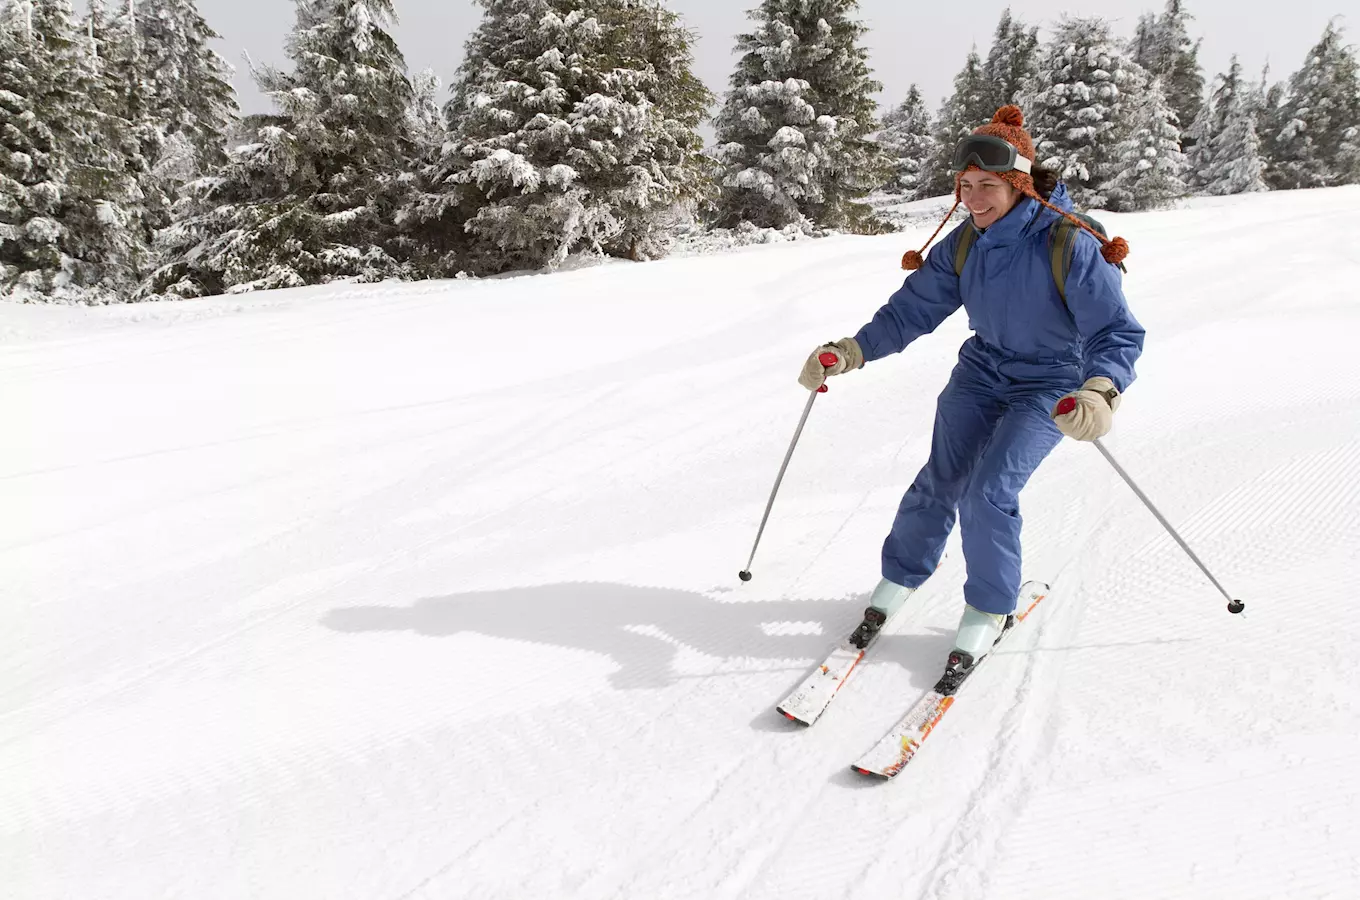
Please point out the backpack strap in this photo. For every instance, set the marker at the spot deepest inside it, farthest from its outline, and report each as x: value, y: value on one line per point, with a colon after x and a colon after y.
x: 966, y: 241
x: 1062, y: 243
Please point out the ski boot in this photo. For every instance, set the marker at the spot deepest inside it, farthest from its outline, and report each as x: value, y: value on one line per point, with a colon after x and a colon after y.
x: 978, y: 633
x: 886, y: 601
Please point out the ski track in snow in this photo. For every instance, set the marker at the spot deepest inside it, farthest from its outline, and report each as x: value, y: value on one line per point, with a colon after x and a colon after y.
x: 428, y: 591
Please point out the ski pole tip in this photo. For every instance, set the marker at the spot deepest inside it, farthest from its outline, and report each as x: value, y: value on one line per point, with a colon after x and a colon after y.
x: 1236, y: 607
x: 744, y: 576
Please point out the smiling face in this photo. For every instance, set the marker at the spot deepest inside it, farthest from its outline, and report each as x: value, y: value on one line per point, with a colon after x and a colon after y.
x: 987, y: 196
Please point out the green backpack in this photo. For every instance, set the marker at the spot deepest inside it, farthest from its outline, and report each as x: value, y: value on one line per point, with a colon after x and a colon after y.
x: 1062, y: 241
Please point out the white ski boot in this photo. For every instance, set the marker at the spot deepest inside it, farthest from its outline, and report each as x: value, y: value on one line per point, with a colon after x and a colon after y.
x: 883, y: 605
x: 978, y: 631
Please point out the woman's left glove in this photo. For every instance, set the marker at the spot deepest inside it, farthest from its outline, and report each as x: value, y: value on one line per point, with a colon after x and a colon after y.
x: 848, y: 356
x: 1094, y: 410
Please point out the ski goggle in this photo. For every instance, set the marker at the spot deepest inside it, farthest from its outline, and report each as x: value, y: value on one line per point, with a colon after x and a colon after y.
x: 990, y: 154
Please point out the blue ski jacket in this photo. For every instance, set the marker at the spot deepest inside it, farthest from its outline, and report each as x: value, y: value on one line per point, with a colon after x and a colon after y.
x: 1013, y: 304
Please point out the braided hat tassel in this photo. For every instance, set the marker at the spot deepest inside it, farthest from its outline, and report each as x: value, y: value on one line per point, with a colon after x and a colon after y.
x: 914, y: 259
x: 1113, y: 250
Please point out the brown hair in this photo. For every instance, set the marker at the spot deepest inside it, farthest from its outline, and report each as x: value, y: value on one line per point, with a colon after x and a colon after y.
x: 1045, y: 181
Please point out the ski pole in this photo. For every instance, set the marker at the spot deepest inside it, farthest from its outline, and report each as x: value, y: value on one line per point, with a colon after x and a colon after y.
x: 827, y: 360
x: 1234, y: 606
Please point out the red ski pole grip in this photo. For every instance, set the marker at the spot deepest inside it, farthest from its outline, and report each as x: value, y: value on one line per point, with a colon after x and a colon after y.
x: 1066, y: 405
x: 828, y: 359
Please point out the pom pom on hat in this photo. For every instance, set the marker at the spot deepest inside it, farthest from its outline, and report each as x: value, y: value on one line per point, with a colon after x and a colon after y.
x: 1009, y: 115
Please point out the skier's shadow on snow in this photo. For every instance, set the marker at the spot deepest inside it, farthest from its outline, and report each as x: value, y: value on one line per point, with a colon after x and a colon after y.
x: 642, y: 629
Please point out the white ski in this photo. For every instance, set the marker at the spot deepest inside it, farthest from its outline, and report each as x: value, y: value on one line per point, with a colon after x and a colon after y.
x: 892, y: 753
x: 811, y: 698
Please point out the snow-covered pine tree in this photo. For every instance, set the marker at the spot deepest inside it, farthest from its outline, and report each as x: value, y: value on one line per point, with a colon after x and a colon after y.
x: 426, y: 115
x: 422, y: 242
x: 1234, y: 164
x: 63, y: 232
x: 795, y: 130
x: 1270, y: 119
x: 1213, y: 153
x: 659, y: 187
x: 510, y: 55
x: 1149, y: 165
x: 128, y: 125
x: 573, y: 128
x: 1320, y: 108
x: 1075, y: 107
x: 1143, y: 45
x: 1012, y: 61
x: 1197, y: 141
x: 1348, y: 157
x: 908, y: 138
x: 312, y: 198
x: 192, y: 98
x: 1161, y: 45
x: 969, y: 107
x: 104, y: 219
x: 32, y: 169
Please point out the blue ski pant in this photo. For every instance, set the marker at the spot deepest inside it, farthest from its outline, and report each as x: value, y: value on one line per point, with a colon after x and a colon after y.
x: 992, y: 430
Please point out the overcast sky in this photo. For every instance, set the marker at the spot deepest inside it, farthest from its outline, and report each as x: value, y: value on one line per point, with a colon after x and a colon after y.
x: 925, y: 43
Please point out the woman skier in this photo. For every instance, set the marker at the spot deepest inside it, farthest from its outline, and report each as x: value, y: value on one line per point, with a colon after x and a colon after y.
x: 1033, y: 346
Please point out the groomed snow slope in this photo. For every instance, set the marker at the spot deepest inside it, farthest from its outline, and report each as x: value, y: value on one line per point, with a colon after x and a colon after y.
x: 429, y: 591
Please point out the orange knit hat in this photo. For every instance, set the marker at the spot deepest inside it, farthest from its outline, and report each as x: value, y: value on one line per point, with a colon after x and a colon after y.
x: 1009, y: 125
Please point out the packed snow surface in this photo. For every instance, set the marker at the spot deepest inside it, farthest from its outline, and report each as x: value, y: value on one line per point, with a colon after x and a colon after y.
x: 430, y: 591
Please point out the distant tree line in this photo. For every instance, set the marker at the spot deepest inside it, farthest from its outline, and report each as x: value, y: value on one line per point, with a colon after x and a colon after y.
x: 127, y: 172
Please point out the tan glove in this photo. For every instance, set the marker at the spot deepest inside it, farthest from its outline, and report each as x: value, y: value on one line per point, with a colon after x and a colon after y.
x: 848, y: 356
x: 1095, y: 405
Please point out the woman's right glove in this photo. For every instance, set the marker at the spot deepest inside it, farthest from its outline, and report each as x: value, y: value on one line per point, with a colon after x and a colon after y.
x: 848, y: 356
x: 1091, y: 411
